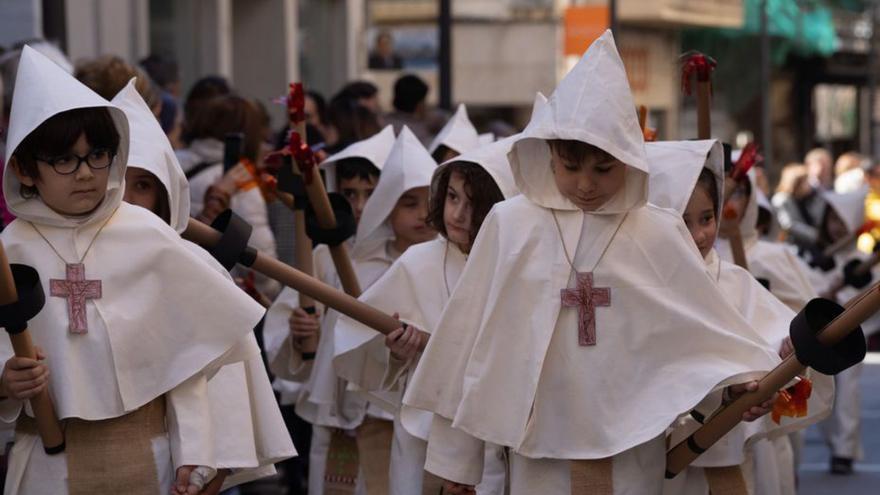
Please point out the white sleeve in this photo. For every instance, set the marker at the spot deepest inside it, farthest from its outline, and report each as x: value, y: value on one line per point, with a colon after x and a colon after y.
x: 190, y: 432
x: 453, y: 454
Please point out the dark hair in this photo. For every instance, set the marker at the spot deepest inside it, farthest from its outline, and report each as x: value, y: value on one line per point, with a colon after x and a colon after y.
x: 352, y: 122
x: 204, y: 90
x: 409, y: 91
x: 439, y: 154
x: 59, y: 133
x: 708, y: 183
x: 480, y: 188
x: 577, y: 151
x: 359, y: 89
x: 356, y: 167
x: 230, y: 114
x: 320, y: 105
x: 164, y: 71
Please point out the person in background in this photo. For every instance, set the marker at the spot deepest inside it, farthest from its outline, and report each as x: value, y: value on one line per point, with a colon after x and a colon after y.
x: 849, y: 172
x: 365, y: 93
x: 108, y: 74
x: 383, y: 57
x: 410, y: 107
x: 166, y: 75
x: 201, y: 92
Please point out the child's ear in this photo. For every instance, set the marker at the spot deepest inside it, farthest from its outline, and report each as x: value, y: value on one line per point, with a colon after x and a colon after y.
x: 25, y: 179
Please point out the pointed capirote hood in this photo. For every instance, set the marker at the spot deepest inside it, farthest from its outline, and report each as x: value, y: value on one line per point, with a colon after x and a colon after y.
x: 150, y: 150
x: 592, y: 104
x: 675, y: 168
x: 487, y: 138
x: 850, y: 207
x: 409, y: 166
x: 493, y: 159
x: 43, y: 90
x: 459, y: 134
x: 375, y: 149
x: 748, y: 226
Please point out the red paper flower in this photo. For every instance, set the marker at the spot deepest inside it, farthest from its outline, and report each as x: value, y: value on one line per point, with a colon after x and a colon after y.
x: 792, y: 402
x: 694, y: 62
x: 747, y: 159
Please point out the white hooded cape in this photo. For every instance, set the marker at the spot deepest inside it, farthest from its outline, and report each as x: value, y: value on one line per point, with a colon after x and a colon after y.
x: 250, y: 433
x: 417, y: 287
x: 459, y: 134
x: 375, y: 149
x: 504, y: 363
x: 153, y: 284
x: 323, y: 399
x: 775, y: 262
x: 676, y: 167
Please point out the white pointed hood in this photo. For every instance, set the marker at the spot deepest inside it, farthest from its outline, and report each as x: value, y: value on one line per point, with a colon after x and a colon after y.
x: 408, y: 166
x: 850, y: 207
x: 675, y: 168
x: 592, y: 104
x: 375, y: 149
x: 487, y: 138
x: 42, y: 90
x: 748, y: 226
x: 493, y: 159
x: 459, y: 134
x: 151, y: 151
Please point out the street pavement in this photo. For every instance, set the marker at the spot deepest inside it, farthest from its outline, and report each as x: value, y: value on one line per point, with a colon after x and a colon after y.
x: 814, y: 478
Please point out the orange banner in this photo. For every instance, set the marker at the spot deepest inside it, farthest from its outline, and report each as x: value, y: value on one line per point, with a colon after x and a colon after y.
x: 583, y: 25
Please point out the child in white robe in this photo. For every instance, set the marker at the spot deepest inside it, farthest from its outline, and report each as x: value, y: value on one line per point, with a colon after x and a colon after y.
x: 130, y: 386
x: 582, y: 383
x: 393, y: 220
x: 417, y: 286
x: 458, y: 136
x: 844, y: 214
x: 250, y: 432
x: 682, y: 182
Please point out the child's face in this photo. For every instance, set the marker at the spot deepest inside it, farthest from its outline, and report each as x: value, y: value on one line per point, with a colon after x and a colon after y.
x: 589, y: 184
x: 699, y: 217
x: 357, y: 191
x: 75, y: 194
x: 834, y: 226
x: 457, y: 212
x: 408, y: 218
x: 142, y: 189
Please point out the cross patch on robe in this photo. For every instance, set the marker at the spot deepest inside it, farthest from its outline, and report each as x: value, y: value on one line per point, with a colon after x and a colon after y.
x: 77, y: 290
x: 586, y: 298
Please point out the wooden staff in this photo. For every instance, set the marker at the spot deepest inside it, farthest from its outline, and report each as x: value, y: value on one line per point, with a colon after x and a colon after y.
x: 48, y: 425
x: 849, y: 239
x: 383, y: 323
x: 307, y: 166
x: 702, y: 66
x: 680, y: 456
x: 747, y: 160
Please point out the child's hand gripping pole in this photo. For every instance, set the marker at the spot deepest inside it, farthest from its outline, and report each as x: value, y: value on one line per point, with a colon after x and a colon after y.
x: 15, y: 311
x: 696, y: 63
x: 825, y: 336
x: 229, y: 246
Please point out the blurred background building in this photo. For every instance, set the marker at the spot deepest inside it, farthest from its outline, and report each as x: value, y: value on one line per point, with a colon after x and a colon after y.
x: 819, y: 89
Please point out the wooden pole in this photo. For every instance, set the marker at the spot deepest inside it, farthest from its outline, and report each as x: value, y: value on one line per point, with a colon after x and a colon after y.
x: 704, y: 109
x: 383, y: 323
x: 680, y: 456
x: 48, y: 425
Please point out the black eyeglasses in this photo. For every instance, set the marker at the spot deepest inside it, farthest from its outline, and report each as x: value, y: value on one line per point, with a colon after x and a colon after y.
x: 97, y: 159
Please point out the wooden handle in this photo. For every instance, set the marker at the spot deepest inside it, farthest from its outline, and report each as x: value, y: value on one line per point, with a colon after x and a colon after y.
x: 304, y: 263
x: 48, y: 425
x: 383, y: 323
x: 738, y: 250
x: 345, y: 270
x: 680, y: 456
x: 704, y: 109
x: 842, y: 243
